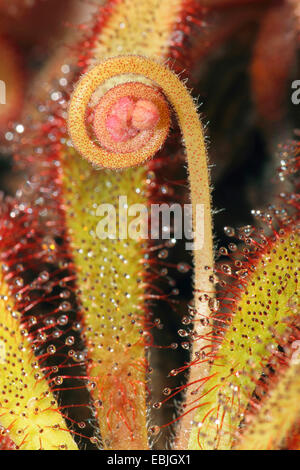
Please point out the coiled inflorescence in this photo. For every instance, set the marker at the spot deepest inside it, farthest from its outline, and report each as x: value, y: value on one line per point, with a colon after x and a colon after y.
x: 130, y: 121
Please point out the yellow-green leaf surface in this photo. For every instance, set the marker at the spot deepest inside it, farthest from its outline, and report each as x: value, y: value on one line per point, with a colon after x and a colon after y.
x: 28, y: 410
x: 110, y: 280
x: 265, y: 302
x: 270, y: 427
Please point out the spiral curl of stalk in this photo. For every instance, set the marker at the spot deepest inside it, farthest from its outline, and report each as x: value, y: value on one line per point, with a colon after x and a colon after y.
x: 166, y: 86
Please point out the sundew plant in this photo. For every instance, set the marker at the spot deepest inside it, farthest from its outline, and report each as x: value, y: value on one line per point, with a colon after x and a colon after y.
x: 149, y: 225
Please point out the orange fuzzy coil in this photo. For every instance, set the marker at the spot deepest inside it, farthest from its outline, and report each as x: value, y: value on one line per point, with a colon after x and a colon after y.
x: 130, y: 122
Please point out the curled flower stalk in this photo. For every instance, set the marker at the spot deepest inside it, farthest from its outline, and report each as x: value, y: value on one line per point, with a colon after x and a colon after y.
x: 191, y: 128
x: 182, y: 103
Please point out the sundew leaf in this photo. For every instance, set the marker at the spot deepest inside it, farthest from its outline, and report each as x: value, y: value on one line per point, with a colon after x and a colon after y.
x: 30, y: 417
x: 111, y: 291
x: 278, y: 415
x: 259, y: 291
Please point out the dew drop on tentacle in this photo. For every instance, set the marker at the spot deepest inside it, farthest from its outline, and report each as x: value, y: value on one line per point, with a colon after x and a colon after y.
x: 183, y: 267
x: 154, y: 430
x: 229, y: 231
